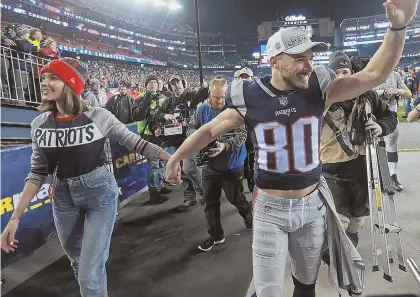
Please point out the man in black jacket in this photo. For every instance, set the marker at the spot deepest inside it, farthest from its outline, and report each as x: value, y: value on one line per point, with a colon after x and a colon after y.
x: 121, y: 106
x: 175, y: 113
x: 344, y: 161
x: 143, y: 112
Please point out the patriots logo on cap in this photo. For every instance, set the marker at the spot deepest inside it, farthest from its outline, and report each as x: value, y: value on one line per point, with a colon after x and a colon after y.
x: 278, y: 46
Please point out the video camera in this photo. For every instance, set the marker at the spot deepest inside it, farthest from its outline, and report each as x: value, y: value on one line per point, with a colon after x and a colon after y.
x: 203, y: 157
x: 175, y: 126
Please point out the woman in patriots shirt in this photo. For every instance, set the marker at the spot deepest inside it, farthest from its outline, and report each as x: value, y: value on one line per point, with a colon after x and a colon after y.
x: 68, y: 144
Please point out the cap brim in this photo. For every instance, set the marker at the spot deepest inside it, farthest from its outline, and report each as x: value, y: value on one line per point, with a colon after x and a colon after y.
x: 316, y: 47
x: 175, y: 77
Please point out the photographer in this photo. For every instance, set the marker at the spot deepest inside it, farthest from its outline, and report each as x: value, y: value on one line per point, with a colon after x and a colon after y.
x: 224, y: 165
x: 343, y: 146
x: 143, y: 112
x: 175, y: 113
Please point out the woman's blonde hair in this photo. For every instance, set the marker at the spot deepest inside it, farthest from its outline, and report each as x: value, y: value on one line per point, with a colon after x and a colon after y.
x: 73, y: 105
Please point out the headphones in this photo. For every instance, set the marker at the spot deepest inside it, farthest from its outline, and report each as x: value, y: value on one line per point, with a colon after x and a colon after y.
x: 184, y: 83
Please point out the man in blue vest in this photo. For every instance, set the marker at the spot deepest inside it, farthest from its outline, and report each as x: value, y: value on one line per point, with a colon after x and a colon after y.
x: 223, y: 165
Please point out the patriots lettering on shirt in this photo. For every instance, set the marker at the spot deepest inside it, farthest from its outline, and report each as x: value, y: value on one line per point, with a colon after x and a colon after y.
x: 67, y: 137
x: 76, y: 144
x: 285, y: 128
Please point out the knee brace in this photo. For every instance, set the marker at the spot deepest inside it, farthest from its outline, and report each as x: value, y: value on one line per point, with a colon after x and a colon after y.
x: 355, y: 224
x: 345, y: 221
x: 302, y: 290
x: 391, y: 142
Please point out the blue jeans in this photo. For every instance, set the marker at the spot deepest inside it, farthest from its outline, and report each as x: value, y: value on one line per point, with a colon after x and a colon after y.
x: 84, y: 209
x: 191, y: 178
x: 417, y: 101
x: 155, y: 175
x: 407, y: 107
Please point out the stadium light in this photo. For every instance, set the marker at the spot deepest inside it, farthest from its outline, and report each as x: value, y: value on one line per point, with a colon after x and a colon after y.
x: 159, y: 3
x: 174, y: 5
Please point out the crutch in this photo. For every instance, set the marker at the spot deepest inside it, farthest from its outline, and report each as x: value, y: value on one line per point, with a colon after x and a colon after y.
x: 392, y: 226
x: 382, y: 207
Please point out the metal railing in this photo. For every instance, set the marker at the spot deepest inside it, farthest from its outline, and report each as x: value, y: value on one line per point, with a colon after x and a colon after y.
x: 20, y: 80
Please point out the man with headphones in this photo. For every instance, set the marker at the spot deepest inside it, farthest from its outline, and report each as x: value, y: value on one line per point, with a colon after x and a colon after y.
x: 175, y: 113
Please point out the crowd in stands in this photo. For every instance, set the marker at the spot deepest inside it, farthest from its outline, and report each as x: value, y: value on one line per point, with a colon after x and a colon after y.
x: 20, y: 79
x: 24, y: 50
x: 112, y: 75
x: 122, y: 14
x: 104, y: 44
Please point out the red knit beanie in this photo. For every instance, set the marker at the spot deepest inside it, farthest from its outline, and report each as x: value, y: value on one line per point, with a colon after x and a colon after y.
x: 70, y: 71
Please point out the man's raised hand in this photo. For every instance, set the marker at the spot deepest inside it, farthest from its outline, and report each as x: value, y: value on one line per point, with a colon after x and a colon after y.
x: 400, y: 12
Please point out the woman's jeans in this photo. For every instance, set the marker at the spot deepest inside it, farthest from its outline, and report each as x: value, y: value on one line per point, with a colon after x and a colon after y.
x: 286, y: 226
x: 84, y: 211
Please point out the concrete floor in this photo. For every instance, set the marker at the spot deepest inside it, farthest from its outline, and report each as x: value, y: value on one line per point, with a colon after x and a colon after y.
x: 154, y: 251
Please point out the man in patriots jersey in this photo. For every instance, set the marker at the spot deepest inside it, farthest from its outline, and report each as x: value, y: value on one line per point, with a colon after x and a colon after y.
x: 283, y: 113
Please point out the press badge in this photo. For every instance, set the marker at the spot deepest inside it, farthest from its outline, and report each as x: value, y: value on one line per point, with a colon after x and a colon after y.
x: 172, y: 129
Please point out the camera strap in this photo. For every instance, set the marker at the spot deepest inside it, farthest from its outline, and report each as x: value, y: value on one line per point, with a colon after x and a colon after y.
x: 338, y: 135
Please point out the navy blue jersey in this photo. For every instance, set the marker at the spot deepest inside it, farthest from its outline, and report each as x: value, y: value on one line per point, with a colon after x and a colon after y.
x: 285, y: 127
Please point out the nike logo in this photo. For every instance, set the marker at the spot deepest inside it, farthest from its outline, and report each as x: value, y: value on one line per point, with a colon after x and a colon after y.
x: 320, y: 207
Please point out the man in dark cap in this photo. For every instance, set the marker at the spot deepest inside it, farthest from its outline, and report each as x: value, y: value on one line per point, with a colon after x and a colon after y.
x: 144, y: 111
x: 177, y: 110
x: 344, y: 161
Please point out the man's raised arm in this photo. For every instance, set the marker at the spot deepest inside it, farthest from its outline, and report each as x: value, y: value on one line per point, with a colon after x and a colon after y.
x: 399, y: 13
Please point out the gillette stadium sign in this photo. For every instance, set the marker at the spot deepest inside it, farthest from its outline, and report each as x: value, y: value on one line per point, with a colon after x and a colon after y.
x: 295, y: 20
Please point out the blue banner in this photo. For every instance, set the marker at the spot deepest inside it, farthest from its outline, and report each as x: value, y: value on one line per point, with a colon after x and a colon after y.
x: 130, y: 169
x: 37, y: 224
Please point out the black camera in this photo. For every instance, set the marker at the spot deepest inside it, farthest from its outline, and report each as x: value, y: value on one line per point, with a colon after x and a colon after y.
x: 203, y: 157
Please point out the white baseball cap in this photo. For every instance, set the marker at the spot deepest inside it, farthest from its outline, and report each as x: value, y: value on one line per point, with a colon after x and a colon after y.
x: 292, y: 40
x: 247, y: 71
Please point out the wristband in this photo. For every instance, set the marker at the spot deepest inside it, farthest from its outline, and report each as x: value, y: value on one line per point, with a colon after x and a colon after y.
x: 11, y: 219
x: 416, y: 108
x: 397, y: 29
